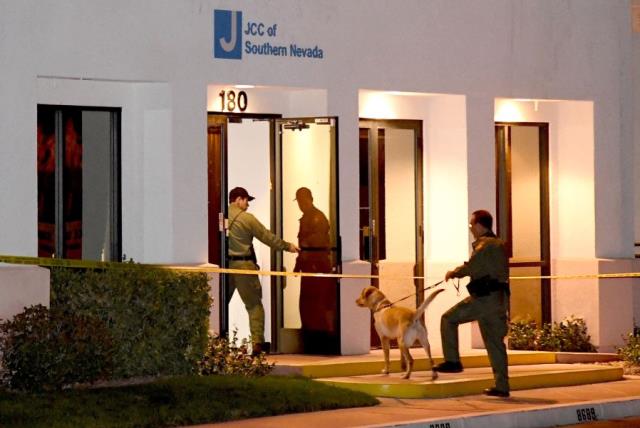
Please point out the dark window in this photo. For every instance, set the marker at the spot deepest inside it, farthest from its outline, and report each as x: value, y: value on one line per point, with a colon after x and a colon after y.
x: 78, y: 182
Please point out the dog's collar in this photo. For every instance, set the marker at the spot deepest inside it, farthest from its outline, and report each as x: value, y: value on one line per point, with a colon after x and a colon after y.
x: 382, y: 305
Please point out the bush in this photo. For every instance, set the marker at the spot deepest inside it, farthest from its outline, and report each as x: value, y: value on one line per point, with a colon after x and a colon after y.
x: 547, y: 340
x: 522, y: 335
x: 569, y: 335
x: 630, y: 353
x: 573, y: 337
x: 43, y: 349
x: 158, y: 318
x: 224, y: 357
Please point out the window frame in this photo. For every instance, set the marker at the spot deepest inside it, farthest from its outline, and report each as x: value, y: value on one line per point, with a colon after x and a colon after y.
x: 115, y: 173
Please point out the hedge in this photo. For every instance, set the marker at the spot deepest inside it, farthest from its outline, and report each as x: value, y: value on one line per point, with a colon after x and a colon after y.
x: 158, y: 318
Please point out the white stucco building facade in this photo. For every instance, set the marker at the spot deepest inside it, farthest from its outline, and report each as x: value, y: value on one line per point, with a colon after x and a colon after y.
x: 458, y: 67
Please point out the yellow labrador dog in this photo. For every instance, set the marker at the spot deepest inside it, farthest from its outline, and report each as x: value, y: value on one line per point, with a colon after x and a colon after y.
x: 400, y: 323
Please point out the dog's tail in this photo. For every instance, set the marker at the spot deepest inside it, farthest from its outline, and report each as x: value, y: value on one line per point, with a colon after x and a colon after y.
x: 423, y: 306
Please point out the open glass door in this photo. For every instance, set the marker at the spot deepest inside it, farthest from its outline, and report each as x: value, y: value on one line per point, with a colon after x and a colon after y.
x: 306, y: 195
x: 522, y: 152
x: 239, y: 154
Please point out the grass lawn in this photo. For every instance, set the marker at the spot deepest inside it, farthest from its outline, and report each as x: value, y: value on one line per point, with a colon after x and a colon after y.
x: 174, y: 402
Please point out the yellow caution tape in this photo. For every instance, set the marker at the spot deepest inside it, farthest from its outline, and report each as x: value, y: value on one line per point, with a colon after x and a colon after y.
x: 89, y: 264
x: 585, y: 276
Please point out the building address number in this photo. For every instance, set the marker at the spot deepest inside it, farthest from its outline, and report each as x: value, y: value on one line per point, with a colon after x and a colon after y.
x: 230, y: 101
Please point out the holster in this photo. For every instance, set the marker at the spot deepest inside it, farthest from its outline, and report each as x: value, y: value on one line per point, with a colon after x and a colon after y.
x: 254, y: 259
x: 481, y: 287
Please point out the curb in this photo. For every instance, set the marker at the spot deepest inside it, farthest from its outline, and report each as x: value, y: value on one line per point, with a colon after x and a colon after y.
x: 557, y: 415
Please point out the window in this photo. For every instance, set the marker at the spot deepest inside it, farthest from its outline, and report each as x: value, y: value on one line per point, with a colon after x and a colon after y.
x: 78, y: 163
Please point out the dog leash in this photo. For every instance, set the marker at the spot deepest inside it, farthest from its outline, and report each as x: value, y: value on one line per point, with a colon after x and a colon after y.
x: 404, y: 298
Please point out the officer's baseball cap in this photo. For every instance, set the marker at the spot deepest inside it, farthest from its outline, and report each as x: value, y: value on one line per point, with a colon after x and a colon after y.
x: 303, y: 193
x: 239, y: 192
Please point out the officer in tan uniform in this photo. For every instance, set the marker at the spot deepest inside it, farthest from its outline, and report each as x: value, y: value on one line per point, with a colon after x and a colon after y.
x: 488, y: 303
x: 318, y: 296
x: 243, y: 227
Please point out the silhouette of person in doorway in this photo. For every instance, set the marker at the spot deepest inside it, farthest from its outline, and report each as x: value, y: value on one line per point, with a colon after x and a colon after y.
x: 318, y: 296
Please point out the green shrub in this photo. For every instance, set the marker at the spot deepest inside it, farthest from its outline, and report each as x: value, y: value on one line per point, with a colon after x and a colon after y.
x: 46, y: 349
x: 546, y: 339
x: 522, y: 335
x: 569, y: 335
x: 630, y: 353
x: 158, y: 318
x: 573, y: 336
x: 226, y: 357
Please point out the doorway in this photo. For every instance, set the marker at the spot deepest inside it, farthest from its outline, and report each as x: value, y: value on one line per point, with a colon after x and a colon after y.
x: 239, y: 147
x: 522, y: 181
x: 273, y: 158
x: 307, y: 200
x: 391, y: 207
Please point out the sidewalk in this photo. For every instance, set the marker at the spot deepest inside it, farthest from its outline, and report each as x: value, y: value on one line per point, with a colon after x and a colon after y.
x: 544, y: 407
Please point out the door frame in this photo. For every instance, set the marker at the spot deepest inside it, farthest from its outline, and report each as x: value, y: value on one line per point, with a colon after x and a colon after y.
x: 222, y: 119
x: 376, y: 180
x: 277, y: 283
x: 545, y: 234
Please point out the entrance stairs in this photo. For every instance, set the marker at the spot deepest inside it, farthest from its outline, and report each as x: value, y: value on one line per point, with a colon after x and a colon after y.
x: 527, y: 370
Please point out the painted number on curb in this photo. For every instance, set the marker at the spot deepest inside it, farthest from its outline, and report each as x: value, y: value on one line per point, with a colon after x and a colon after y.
x: 586, y: 414
x: 440, y: 425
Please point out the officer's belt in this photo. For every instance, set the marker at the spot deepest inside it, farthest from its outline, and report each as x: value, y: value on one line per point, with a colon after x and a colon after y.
x: 484, y: 286
x: 248, y: 257
x: 317, y: 248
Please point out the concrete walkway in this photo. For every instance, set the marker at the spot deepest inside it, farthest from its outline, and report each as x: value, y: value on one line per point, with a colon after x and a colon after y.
x: 544, y: 407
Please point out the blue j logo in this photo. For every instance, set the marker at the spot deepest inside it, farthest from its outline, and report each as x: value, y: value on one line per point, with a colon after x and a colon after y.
x: 227, y: 34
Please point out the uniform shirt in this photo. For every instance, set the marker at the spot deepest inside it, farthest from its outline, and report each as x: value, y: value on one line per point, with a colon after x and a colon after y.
x: 244, y: 228
x: 488, y: 258
x: 314, y: 230
x: 314, y: 242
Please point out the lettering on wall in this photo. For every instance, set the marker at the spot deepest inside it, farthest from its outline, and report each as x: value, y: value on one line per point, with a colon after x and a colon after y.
x: 233, y: 38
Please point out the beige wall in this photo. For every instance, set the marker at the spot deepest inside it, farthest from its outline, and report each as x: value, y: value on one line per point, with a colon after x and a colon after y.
x: 22, y: 286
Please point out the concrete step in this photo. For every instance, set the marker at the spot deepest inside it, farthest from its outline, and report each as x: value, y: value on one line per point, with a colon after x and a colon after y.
x: 474, y: 379
x: 527, y: 370
x: 316, y: 366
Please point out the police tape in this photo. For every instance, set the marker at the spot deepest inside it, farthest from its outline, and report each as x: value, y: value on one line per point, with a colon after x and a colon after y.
x: 90, y: 264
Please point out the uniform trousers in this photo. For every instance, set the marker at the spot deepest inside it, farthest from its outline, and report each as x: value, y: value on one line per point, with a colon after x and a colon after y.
x: 250, y: 291
x: 491, y: 313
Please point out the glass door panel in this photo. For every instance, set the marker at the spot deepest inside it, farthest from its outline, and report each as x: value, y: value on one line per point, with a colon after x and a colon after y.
x: 306, y: 152
x: 391, y: 212
x: 525, y: 194
x: 391, y: 205
x: 248, y: 166
x: 522, y: 152
x: 96, y: 176
x: 526, y: 294
x: 398, y: 224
